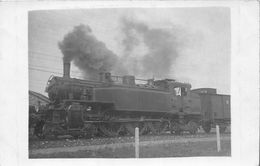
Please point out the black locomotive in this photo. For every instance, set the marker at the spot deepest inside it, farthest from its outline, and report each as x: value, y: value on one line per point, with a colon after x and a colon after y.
x: 115, y: 105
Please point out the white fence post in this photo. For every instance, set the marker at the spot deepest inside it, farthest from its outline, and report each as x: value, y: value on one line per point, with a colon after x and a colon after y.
x: 136, y: 142
x: 218, y: 138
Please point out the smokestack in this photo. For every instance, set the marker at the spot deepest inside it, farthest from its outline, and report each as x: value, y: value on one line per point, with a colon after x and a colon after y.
x: 66, y: 69
x: 86, y: 52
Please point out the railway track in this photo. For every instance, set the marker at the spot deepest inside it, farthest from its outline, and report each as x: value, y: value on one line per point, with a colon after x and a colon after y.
x: 71, y: 142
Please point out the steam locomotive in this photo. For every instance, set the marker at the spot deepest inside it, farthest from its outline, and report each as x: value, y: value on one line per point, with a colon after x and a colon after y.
x: 116, y: 105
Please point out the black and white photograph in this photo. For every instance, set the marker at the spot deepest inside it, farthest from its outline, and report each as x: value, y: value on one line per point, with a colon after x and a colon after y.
x: 135, y: 83
x: 99, y: 77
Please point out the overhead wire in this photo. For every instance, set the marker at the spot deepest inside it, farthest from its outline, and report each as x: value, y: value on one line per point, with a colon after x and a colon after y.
x: 48, y: 71
x: 52, y: 68
x: 42, y: 53
x: 47, y: 57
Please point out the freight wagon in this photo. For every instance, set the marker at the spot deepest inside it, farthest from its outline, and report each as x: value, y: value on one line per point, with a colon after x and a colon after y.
x: 215, y: 109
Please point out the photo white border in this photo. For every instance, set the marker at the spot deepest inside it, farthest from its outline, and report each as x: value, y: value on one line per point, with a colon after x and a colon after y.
x: 244, y: 82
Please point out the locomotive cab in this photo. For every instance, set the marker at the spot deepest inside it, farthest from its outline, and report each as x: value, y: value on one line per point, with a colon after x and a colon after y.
x: 180, y: 93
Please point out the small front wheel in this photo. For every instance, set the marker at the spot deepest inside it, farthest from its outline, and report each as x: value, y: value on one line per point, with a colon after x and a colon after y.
x: 193, y: 127
x: 206, y: 127
x: 222, y: 129
x: 38, y: 129
x: 175, y: 128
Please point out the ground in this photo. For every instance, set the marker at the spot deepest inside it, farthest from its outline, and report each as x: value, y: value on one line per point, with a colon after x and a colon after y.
x: 121, y: 148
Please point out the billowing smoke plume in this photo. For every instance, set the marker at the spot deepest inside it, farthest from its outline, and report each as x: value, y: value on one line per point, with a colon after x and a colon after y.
x: 159, y: 49
x: 88, y: 54
x: 147, y: 52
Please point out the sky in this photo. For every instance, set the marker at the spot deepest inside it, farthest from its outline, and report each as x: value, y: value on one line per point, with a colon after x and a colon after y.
x: 187, y: 44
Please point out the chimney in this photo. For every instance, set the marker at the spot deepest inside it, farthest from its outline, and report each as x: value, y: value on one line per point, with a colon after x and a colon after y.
x: 66, y: 69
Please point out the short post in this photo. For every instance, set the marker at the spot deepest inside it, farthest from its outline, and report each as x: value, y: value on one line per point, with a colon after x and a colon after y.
x: 218, y: 138
x: 136, y: 142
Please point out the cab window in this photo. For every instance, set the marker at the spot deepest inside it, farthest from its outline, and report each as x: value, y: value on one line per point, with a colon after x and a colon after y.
x: 177, y: 91
x: 180, y: 91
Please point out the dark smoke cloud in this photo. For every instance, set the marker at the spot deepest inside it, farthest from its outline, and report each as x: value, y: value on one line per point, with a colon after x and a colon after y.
x: 88, y: 54
x: 161, y: 48
x: 92, y: 56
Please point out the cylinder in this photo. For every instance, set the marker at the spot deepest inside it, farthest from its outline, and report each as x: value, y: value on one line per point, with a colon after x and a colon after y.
x: 66, y: 69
